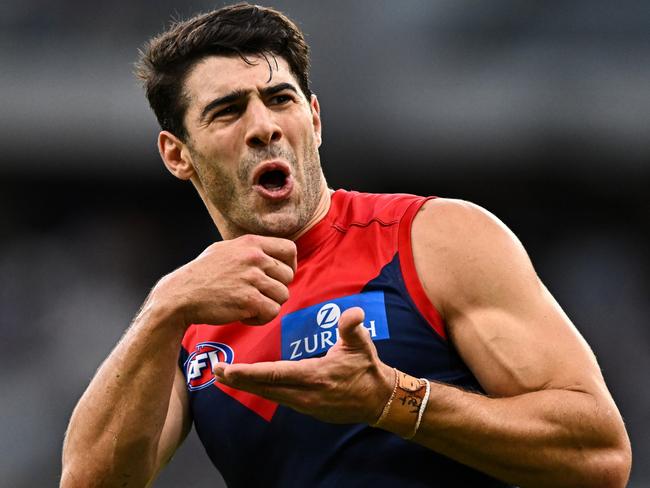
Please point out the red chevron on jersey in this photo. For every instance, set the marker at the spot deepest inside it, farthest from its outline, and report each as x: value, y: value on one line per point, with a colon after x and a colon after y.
x: 358, y: 255
x: 337, y: 258
x: 250, y: 344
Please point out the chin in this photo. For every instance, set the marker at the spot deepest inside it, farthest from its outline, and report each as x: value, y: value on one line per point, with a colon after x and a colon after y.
x: 280, y: 230
x: 279, y: 225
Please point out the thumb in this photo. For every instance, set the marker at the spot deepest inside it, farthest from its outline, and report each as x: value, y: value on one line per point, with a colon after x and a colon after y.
x: 350, y: 330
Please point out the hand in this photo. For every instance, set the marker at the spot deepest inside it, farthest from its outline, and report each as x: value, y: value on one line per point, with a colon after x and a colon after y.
x: 348, y: 385
x: 243, y: 279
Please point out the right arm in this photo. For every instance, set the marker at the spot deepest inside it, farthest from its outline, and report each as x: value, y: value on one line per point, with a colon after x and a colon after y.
x: 134, y: 413
x: 115, y: 430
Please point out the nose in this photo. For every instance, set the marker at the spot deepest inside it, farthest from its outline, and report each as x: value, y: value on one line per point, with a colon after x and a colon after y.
x: 262, y: 129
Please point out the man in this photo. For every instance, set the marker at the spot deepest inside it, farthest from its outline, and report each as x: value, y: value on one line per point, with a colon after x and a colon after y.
x: 332, y: 338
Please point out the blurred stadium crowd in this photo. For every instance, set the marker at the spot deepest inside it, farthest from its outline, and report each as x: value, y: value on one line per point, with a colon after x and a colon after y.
x: 539, y: 111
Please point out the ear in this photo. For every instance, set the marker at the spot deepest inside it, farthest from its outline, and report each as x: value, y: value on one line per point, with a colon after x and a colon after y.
x: 315, y: 115
x: 175, y: 155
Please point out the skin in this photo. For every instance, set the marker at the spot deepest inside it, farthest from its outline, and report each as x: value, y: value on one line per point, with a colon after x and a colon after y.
x: 227, y: 143
x: 547, y: 418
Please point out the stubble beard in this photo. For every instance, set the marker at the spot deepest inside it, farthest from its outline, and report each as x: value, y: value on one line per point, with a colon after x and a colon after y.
x: 233, y: 197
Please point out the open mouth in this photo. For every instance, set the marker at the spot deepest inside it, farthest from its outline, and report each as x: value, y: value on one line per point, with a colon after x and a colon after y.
x: 273, y: 180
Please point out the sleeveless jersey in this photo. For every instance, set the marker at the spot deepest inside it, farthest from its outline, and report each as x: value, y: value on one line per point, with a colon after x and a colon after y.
x: 358, y: 255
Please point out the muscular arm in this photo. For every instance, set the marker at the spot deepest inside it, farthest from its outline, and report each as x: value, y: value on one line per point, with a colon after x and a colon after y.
x: 116, y: 430
x: 134, y: 413
x: 548, y: 419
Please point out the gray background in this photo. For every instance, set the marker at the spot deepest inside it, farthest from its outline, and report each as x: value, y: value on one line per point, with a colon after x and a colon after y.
x: 539, y: 111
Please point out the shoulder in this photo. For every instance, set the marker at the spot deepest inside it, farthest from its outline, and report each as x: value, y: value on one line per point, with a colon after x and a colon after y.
x: 356, y: 208
x: 451, y: 219
x: 464, y: 255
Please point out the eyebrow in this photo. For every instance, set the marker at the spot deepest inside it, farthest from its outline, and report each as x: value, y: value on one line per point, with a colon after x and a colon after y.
x: 239, y: 94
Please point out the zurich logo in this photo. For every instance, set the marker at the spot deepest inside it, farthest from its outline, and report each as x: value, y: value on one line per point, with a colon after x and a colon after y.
x: 328, y: 315
x: 312, y: 331
x: 198, y: 366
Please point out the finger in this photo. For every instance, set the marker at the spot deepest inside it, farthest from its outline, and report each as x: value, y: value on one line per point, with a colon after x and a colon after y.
x: 260, y: 309
x: 282, y: 249
x: 351, y: 332
x: 285, y: 395
x: 292, y: 396
x: 278, y: 270
x: 285, y: 373
x: 269, y: 287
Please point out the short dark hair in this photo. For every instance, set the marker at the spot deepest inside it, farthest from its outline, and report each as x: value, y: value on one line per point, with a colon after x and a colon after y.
x: 237, y: 30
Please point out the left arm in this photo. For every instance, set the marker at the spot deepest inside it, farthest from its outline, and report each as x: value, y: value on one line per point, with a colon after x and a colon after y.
x: 547, y: 418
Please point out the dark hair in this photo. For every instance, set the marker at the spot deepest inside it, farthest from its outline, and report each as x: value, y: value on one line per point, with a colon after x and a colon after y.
x: 236, y: 30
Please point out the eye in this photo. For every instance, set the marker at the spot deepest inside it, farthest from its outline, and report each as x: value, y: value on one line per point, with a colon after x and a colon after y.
x: 226, y: 111
x: 281, y: 99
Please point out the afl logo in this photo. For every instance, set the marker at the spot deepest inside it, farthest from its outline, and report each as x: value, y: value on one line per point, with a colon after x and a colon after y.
x: 198, y: 366
x: 328, y: 315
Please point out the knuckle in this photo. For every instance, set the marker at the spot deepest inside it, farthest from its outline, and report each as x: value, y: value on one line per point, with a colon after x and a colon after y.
x: 254, y: 256
x: 274, y: 377
x: 254, y: 276
x: 259, y: 257
x: 250, y: 239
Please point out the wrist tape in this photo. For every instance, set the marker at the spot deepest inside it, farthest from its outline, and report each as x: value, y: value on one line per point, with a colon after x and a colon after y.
x: 403, y: 412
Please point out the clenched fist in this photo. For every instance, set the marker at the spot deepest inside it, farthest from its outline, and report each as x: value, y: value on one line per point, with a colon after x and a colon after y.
x: 243, y: 279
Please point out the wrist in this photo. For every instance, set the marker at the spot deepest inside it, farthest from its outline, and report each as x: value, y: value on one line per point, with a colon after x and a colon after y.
x: 383, y: 391
x: 162, y: 312
x: 402, y: 413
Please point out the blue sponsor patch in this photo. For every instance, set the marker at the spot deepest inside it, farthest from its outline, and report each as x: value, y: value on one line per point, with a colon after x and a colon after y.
x: 313, y: 330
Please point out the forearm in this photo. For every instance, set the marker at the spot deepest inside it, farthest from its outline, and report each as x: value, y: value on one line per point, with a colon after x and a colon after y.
x: 115, y: 428
x: 125, y: 426
x: 544, y: 438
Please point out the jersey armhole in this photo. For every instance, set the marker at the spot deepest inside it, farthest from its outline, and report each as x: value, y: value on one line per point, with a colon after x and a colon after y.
x: 409, y: 273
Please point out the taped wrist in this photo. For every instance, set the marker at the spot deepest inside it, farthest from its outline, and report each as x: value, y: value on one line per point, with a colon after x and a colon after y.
x: 403, y: 412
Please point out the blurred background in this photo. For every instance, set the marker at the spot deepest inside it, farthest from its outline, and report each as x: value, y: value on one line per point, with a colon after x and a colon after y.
x: 539, y: 111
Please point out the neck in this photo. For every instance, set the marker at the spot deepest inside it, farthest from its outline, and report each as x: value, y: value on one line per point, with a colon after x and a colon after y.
x: 321, y: 210
x: 323, y: 206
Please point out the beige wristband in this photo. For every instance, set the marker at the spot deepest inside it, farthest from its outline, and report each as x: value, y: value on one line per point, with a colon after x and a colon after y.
x: 403, y: 412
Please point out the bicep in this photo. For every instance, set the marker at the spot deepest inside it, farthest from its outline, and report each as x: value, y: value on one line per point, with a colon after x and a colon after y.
x: 504, y: 323
x: 514, y: 349
x: 178, y: 423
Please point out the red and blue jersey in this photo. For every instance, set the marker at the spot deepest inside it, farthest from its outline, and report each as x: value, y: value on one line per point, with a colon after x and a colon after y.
x: 358, y: 255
